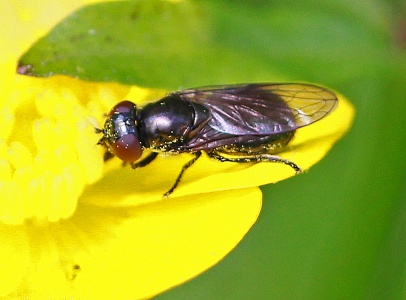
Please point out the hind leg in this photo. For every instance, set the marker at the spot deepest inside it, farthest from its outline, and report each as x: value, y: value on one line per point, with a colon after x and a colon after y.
x: 256, y: 158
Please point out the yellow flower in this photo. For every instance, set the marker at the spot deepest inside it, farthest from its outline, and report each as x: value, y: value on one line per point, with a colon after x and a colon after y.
x: 72, y: 226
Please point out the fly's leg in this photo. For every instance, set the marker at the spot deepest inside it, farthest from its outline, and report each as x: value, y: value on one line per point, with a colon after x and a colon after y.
x: 257, y: 158
x: 145, y: 161
x: 184, y: 168
x: 107, y: 156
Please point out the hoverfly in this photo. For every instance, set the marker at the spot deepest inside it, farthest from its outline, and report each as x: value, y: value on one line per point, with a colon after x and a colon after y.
x: 231, y: 123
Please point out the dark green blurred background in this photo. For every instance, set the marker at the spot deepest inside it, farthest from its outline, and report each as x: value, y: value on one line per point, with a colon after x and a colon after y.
x: 336, y: 232
x: 339, y: 231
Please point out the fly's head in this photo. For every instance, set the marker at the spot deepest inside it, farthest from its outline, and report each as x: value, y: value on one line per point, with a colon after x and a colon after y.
x: 120, y: 135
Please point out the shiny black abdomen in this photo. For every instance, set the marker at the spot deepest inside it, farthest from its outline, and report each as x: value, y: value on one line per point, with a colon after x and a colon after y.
x: 258, y: 145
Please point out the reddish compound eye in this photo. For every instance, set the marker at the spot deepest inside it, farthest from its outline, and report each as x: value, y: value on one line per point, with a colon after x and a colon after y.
x: 121, y: 134
x: 127, y: 148
x: 123, y: 107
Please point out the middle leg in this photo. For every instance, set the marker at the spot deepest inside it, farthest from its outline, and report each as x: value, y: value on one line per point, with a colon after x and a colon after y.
x: 184, y: 168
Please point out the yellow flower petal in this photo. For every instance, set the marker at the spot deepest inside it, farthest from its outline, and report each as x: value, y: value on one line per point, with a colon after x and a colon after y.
x: 14, y: 258
x: 134, y: 253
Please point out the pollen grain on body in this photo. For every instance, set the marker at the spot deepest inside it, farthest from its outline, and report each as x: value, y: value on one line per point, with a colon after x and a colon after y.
x: 48, y: 151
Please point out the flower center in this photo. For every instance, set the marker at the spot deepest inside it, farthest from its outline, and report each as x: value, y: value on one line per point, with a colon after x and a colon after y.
x: 48, y: 151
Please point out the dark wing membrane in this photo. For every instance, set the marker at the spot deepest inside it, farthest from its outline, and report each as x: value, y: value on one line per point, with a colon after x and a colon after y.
x: 262, y: 109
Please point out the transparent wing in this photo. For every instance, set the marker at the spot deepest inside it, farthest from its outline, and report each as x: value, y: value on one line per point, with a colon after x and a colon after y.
x: 262, y: 109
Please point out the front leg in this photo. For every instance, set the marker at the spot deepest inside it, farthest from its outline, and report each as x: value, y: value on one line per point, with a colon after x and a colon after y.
x: 145, y: 161
x: 107, y: 155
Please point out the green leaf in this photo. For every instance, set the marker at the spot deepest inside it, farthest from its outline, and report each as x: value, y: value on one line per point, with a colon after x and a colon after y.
x: 149, y: 43
x: 169, y: 44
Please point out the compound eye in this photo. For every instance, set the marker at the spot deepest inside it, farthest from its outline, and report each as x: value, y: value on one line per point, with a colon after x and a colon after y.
x: 123, y: 107
x: 127, y: 148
